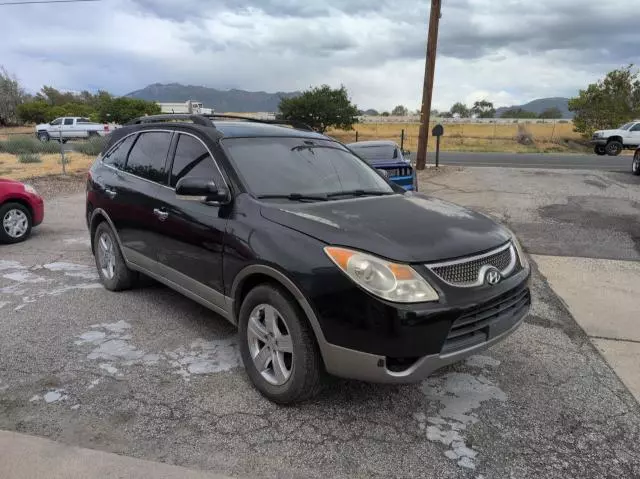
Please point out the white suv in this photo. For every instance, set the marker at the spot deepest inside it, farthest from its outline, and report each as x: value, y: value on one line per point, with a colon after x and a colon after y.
x: 612, y: 142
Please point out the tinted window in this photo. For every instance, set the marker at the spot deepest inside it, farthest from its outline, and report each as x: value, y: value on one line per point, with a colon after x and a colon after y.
x: 118, y: 156
x: 148, y: 155
x: 192, y: 159
x: 84, y: 120
x: 636, y: 128
x: 57, y: 121
x: 272, y: 166
x: 68, y: 121
x: 379, y: 152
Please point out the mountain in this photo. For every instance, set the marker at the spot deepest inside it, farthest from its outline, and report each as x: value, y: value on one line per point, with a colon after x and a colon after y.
x: 237, y: 101
x: 540, y: 105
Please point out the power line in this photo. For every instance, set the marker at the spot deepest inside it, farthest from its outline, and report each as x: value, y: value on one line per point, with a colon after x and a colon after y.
x: 31, y: 2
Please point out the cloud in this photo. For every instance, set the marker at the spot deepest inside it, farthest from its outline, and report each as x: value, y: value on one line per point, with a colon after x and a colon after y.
x: 509, y: 51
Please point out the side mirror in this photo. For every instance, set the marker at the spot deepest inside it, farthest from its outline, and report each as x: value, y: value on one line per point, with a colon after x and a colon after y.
x: 201, y: 189
x: 384, y: 173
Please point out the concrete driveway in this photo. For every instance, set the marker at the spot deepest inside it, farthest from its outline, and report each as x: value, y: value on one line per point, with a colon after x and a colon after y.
x: 152, y: 375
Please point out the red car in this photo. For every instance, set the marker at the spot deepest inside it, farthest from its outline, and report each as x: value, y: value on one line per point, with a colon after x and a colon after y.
x: 21, y: 208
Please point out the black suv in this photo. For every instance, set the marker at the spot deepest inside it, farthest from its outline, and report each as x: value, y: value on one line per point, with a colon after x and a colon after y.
x: 322, y: 263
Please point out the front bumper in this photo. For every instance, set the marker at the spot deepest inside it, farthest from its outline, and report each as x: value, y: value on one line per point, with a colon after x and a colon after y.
x: 351, y: 364
x: 598, y: 141
x: 381, y: 342
x: 37, y: 205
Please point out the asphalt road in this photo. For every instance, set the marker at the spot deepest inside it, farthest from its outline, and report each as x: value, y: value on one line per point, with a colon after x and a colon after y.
x: 150, y: 374
x: 533, y: 160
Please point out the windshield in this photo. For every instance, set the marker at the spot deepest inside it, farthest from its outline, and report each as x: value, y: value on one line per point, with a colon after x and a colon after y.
x: 626, y: 126
x: 378, y: 152
x: 299, y: 166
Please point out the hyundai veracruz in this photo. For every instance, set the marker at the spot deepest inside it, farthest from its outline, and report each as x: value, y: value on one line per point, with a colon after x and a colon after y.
x: 323, y: 264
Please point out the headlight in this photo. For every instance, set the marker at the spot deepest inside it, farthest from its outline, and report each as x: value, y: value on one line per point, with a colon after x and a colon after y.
x: 391, y: 281
x: 30, y: 189
x: 521, y: 255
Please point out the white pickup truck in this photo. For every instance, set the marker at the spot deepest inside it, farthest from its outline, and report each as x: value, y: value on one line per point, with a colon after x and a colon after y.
x: 72, y: 127
x: 612, y: 142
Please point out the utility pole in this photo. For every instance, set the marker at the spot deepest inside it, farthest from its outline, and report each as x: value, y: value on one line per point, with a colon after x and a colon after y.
x: 427, y: 90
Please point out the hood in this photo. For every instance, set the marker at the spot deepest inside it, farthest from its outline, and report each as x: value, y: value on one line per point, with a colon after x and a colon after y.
x: 409, y: 228
x: 608, y: 132
x: 42, y: 125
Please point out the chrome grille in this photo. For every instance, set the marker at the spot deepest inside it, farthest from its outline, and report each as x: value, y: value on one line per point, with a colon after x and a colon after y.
x: 467, y: 272
x: 402, y: 171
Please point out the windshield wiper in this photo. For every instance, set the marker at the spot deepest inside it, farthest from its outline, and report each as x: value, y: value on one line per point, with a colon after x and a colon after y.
x: 296, y: 197
x: 360, y: 193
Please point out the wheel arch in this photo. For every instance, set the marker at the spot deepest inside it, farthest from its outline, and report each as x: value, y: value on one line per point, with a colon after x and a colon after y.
x: 20, y: 201
x: 254, y: 275
x: 98, y: 215
x: 615, y: 138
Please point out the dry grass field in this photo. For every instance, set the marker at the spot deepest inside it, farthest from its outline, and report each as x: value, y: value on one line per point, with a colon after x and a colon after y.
x: 50, y: 165
x: 546, y: 137
x: 5, y: 133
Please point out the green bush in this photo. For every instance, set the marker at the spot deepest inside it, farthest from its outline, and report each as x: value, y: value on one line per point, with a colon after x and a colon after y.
x: 29, y: 158
x: 16, y: 145
x: 91, y: 147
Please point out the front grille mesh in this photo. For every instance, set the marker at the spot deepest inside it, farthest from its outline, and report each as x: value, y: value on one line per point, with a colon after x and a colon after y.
x: 402, y: 171
x: 466, y: 273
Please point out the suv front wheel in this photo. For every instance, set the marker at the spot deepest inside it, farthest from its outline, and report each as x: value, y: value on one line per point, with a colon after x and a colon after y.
x: 278, y: 347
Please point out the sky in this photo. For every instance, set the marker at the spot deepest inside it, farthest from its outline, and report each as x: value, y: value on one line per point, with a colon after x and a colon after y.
x: 506, y: 51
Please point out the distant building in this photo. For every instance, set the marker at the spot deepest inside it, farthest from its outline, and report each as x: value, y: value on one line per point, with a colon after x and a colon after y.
x: 189, y: 106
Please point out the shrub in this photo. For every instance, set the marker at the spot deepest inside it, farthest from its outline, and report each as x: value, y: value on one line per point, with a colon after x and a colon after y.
x: 91, y: 147
x: 524, y: 136
x: 16, y: 145
x: 29, y: 158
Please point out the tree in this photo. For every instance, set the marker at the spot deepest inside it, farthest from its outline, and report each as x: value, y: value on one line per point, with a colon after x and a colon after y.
x: 34, y: 111
x: 385, y: 113
x: 435, y: 114
x: 321, y: 107
x: 400, y: 110
x: 11, y: 96
x: 607, y: 103
x: 123, y: 109
x: 460, y: 109
x: 55, y: 97
x: 483, y: 109
x: 518, y: 113
x: 551, y: 113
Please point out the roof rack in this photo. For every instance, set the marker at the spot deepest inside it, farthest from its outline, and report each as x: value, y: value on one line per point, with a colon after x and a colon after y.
x: 206, y: 120
x: 298, y: 125
x: 197, y: 119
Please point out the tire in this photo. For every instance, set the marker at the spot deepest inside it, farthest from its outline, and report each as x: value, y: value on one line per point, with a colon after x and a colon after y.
x: 43, y: 136
x: 305, y: 369
x: 15, y: 223
x: 112, y: 269
x: 613, y: 148
x: 635, y: 165
x: 599, y: 150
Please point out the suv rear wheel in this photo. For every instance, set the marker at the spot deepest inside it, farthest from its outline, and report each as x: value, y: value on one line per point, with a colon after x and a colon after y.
x: 635, y: 165
x: 613, y: 148
x: 278, y: 347
x: 112, y: 269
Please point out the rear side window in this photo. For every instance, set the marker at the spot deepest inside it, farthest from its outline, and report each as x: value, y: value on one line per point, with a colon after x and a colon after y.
x: 192, y: 159
x: 148, y: 156
x: 118, y: 156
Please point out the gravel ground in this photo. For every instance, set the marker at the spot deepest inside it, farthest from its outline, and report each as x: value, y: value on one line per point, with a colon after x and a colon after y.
x: 53, y: 186
x: 148, y: 373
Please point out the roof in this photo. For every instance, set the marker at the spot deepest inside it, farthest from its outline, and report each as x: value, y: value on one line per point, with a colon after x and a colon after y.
x: 234, y: 129
x: 365, y: 144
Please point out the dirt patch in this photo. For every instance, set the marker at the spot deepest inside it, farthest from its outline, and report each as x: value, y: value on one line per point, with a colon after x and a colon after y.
x: 52, y: 186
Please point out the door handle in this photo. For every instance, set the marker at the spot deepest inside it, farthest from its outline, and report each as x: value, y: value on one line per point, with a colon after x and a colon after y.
x: 110, y: 193
x: 162, y: 215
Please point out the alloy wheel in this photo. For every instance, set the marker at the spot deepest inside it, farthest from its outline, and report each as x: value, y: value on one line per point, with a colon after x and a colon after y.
x: 270, y: 344
x: 15, y: 223
x: 107, y: 256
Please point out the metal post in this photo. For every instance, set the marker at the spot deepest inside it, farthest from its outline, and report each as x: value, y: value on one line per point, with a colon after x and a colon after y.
x: 402, y: 140
x: 62, y: 160
x: 437, y: 151
x: 356, y: 136
x: 553, y: 130
x: 427, y: 88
